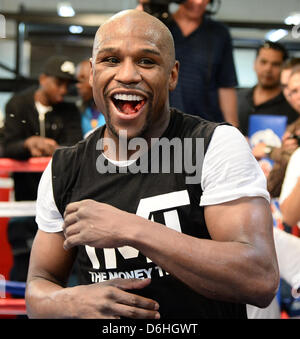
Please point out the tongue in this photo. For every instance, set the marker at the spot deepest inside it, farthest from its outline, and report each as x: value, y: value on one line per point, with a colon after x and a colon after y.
x: 128, y: 108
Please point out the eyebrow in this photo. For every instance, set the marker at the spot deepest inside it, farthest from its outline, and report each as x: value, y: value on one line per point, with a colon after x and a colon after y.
x: 151, y: 51
x: 114, y: 50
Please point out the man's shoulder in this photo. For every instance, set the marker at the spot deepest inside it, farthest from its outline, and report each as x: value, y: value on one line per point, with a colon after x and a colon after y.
x: 195, y: 122
x: 218, y: 26
x: 23, y: 97
x: 282, y: 106
x: 245, y: 92
x: 191, y: 126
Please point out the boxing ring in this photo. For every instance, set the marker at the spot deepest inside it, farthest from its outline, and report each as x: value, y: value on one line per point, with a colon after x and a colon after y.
x: 8, y: 209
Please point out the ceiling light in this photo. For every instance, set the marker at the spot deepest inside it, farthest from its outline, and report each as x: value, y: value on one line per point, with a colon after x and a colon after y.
x: 293, y: 19
x: 65, y: 9
x: 276, y: 34
x: 75, y: 29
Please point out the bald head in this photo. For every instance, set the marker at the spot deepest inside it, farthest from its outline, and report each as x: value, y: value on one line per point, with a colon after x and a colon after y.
x: 134, y: 69
x: 136, y: 23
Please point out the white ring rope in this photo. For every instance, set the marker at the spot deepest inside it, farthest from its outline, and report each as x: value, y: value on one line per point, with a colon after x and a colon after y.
x: 17, y: 209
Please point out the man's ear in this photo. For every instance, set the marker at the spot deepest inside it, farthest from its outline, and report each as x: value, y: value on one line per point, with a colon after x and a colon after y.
x: 91, y: 73
x: 174, y: 76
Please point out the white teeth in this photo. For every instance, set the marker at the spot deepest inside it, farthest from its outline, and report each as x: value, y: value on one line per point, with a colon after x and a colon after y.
x: 128, y: 97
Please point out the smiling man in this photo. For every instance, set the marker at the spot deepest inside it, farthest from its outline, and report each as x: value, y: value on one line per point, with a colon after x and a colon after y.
x: 181, y: 250
x: 136, y: 99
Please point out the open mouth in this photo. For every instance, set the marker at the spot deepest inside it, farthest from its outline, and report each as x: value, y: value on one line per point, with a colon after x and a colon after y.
x: 128, y: 103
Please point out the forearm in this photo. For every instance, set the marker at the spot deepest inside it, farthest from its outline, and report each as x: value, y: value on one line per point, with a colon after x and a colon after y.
x: 47, y: 299
x: 46, y: 295
x: 16, y: 150
x: 228, y: 105
x: 238, y: 264
x: 215, y: 269
x: 290, y: 206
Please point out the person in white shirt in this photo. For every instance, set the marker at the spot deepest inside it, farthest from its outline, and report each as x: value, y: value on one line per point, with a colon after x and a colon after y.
x: 290, y: 192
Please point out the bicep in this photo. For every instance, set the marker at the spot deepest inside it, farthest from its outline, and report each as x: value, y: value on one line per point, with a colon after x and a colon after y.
x: 48, y: 258
x: 247, y: 220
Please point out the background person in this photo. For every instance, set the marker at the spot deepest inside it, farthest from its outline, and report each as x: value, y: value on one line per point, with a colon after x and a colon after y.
x: 266, y: 96
x: 288, y: 251
x: 207, y: 81
x: 37, y: 122
x: 281, y: 155
x: 290, y: 193
x: 91, y: 118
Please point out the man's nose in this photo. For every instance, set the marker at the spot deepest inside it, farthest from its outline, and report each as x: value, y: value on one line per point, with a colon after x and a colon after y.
x: 128, y: 72
x: 268, y: 67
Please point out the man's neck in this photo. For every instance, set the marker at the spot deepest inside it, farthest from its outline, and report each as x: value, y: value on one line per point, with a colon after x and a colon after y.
x: 115, y: 153
x: 262, y: 94
x: 186, y: 24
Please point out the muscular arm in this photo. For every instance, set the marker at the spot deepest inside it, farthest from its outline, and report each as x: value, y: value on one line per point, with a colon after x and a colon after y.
x: 47, y: 296
x: 48, y: 272
x: 228, y: 104
x: 238, y: 264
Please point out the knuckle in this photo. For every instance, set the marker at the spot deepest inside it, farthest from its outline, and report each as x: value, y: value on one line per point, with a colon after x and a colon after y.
x: 117, y: 282
x: 132, y: 312
x: 134, y: 300
x: 110, y: 292
x: 67, y: 244
x: 105, y: 306
x: 67, y: 232
x: 78, y: 213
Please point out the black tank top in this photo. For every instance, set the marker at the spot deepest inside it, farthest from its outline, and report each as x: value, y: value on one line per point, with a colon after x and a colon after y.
x: 166, y: 198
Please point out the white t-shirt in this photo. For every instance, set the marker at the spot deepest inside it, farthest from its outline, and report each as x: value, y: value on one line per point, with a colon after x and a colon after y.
x: 292, y: 175
x: 229, y: 172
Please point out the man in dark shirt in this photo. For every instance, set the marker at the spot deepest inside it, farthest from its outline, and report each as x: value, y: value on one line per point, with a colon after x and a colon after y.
x: 37, y: 121
x: 266, y: 97
x: 207, y: 80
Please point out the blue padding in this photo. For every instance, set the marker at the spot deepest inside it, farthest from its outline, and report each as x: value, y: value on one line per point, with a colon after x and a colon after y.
x: 15, y: 287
